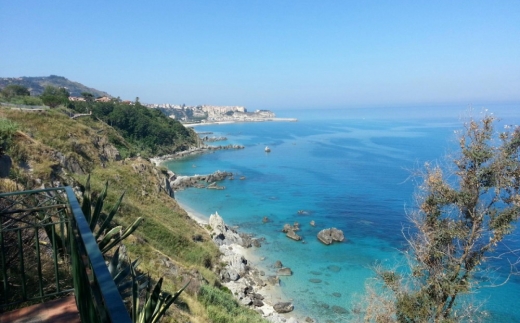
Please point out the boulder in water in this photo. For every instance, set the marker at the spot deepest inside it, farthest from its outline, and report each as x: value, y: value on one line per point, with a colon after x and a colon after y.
x: 283, y: 307
x: 328, y: 236
x: 291, y: 234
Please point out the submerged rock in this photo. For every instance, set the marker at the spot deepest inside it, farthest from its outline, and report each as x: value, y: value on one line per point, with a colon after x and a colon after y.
x: 339, y: 310
x: 334, y: 268
x: 286, y: 271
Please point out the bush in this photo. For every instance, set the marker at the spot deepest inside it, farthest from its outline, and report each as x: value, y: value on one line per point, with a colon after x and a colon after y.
x: 7, y: 130
x: 223, y: 308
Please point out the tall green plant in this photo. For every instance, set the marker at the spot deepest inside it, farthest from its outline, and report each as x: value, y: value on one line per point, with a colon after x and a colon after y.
x: 124, y: 272
x: 99, y: 221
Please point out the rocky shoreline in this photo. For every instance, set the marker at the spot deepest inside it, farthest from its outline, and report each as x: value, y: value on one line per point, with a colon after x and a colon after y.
x: 192, y: 151
x: 256, y: 286
x: 251, y: 286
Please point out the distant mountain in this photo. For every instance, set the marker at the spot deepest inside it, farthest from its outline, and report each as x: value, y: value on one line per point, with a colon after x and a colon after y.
x: 37, y: 84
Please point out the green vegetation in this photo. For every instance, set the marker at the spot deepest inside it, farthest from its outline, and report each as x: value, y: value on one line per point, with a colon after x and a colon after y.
x: 53, y: 96
x: 149, y: 130
x: 131, y: 285
x: 223, y: 308
x: 18, y: 94
x: 462, y: 216
x: 13, y: 90
x: 7, y: 130
x: 49, y: 147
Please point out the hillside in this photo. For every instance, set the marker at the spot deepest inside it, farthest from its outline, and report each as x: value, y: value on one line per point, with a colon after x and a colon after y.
x: 37, y: 84
x: 52, y: 149
x: 149, y: 131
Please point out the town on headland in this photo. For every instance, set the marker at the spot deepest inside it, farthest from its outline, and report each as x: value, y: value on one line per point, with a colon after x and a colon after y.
x: 204, y: 114
x: 188, y: 115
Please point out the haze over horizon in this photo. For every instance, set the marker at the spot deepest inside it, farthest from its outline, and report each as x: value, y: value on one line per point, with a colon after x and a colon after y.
x: 272, y: 54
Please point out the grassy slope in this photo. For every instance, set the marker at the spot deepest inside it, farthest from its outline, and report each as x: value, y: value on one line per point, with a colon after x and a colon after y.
x: 164, y: 242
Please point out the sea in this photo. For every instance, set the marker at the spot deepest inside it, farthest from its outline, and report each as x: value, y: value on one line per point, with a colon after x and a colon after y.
x: 352, y: 169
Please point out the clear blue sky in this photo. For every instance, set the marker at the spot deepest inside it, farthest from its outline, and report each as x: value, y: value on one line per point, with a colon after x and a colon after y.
x: 271, y: 54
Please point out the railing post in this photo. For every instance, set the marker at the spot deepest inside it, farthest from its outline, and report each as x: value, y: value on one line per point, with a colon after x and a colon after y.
x: 5, y: 283
x: 22, y: 265
x: 39, y: 262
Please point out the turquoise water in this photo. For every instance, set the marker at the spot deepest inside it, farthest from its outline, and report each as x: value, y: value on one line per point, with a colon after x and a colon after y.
x: 350, y: 169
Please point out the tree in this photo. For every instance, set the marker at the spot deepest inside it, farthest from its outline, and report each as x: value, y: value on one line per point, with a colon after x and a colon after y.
x: 13, y: 90
x: 460, y: 221
x: 53, y: 96
x: 89, y: 97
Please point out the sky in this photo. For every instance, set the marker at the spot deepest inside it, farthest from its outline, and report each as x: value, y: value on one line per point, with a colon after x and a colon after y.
x: 271, y: 54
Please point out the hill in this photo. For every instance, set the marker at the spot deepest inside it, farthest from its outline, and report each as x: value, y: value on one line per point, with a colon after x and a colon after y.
x: 37, y: 84
x: 50, y: 148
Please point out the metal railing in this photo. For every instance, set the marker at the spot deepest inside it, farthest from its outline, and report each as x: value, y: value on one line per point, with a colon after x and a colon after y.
x: 48, y: 250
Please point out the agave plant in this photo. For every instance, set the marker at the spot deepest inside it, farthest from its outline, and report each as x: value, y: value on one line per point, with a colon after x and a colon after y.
x: 94, y: 213
x: 155, y: 305
x: 124, y: 271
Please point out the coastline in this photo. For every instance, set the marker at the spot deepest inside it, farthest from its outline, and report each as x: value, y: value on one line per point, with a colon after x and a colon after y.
x: 271, y: 294
x: 259, y: 272
x: 209, y: 123
x: 158, y: 160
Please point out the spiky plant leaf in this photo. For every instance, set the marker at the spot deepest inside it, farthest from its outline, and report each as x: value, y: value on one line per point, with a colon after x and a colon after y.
x: 99, y: 207
x: 151, y: 303
x: 86, y: 203
x: 108, y: 237
x: 169, y: 300
x: 125, y: 272
x: 111, y: 214
x: 112, y: 266
x: 123, y: 235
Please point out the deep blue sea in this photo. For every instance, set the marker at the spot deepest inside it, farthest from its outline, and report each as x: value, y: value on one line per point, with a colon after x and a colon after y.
x: 351, y: 169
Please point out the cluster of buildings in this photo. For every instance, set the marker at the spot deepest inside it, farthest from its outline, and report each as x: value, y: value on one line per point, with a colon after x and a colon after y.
x: 211, y: 113
x: 101, y: 99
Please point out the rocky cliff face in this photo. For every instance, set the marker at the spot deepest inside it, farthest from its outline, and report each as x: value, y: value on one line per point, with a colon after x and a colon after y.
x: 49, y: 147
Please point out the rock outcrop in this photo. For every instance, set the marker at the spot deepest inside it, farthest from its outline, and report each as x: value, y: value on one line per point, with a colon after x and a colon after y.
x: 283, y: 307
x: 221, y: 233
x: 328, y: 236
x: 292, y: 235
x: 199, y: 181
